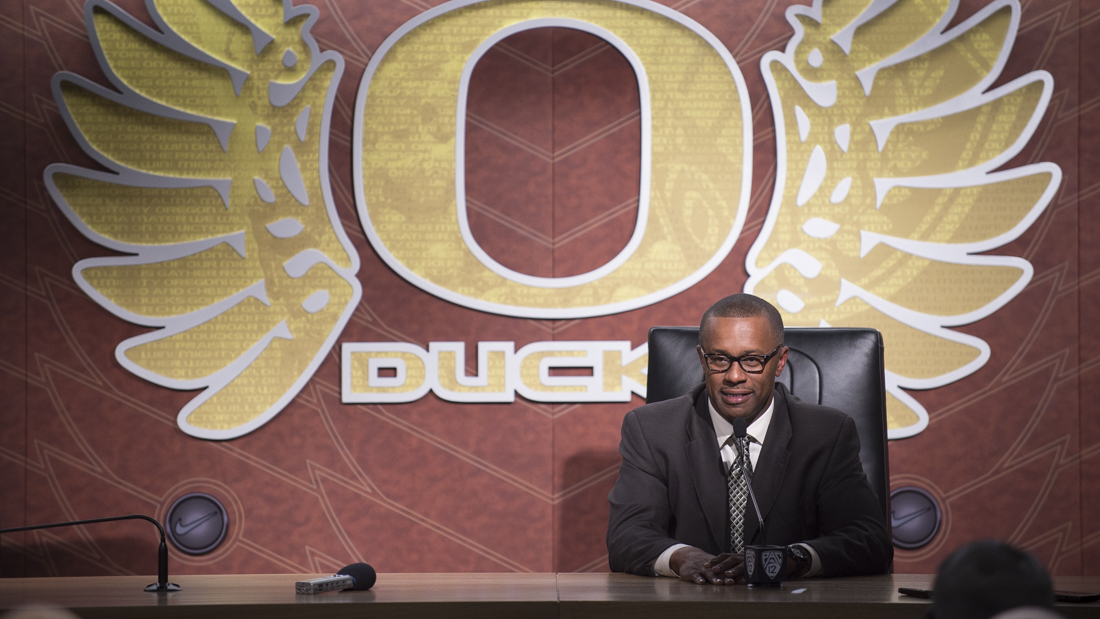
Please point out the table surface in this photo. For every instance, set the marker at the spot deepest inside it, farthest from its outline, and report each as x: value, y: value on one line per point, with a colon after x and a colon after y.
x: 549, y: 595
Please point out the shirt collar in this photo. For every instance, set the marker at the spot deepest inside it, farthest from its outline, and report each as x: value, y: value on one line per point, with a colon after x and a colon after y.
x: 757, y: 429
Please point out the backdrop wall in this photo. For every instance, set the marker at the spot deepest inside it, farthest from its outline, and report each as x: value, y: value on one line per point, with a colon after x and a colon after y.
x: 554, y: 129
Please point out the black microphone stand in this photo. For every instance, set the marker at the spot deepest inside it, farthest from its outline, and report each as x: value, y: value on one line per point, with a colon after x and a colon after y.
x: 162, y: 585
x: 740, y: 430
x: 757, y: 557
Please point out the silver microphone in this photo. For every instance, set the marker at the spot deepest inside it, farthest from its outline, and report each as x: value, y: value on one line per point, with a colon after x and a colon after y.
x: 357, y: 576
x: 336, y: 582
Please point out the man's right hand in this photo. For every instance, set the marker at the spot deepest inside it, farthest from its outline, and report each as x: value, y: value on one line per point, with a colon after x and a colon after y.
x: 692, y: 566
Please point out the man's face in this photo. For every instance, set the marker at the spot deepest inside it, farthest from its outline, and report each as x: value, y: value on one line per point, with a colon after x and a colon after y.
x: 737, y: 393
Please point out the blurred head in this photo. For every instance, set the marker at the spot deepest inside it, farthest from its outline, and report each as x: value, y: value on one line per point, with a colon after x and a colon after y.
x: 39, y: 612
x: 987, y: 577
x: 1028, y: 612
x: 736, y: 327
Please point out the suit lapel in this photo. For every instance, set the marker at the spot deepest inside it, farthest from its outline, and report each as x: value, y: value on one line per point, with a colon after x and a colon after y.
x: 772, y: 464
x: 706, y: 472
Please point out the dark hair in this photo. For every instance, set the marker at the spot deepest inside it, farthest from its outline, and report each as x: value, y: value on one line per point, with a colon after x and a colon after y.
x: 987, y: 577
x: 745, y: 306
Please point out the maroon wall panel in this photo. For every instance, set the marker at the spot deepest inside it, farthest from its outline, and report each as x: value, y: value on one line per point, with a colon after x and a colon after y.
x: 13, y: 276
x: 1088, y: 287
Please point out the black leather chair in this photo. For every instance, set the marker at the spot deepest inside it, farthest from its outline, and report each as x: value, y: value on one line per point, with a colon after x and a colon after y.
x: 841, y: 368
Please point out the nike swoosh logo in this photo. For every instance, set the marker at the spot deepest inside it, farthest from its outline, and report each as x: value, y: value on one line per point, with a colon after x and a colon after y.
x: 184, y: 529
x: 897, y: 522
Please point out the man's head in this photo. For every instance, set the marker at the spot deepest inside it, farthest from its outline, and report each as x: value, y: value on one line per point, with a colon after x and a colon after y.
x: 741, y: 325
x: 986, y: 577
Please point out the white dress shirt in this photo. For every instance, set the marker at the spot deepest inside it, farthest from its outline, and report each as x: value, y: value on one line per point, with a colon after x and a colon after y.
x: 723, y: 429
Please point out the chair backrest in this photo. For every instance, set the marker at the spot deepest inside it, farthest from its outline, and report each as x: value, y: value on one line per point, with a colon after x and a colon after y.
x: 837, y: 367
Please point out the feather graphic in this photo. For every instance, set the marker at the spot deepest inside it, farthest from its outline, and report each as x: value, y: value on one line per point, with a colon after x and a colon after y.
x: 889, y: 194
x: 216, y: 141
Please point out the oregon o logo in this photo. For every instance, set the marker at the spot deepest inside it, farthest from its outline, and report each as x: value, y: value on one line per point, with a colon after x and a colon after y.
x: 891, y: 195
x: 695, y: 162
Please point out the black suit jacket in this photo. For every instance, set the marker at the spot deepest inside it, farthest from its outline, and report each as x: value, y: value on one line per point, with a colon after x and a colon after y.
x: 808, y: 480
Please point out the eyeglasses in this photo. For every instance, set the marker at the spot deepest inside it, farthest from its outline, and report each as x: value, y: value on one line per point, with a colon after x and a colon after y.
x: 753, y: 364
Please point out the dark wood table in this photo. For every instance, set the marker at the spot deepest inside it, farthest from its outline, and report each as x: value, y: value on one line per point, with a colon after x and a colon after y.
x: 488, y: 595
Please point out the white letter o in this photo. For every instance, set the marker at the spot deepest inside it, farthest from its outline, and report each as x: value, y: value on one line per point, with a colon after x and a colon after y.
x: 409, y: 151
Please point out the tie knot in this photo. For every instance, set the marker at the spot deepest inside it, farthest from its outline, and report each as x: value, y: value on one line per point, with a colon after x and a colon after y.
x: 733, y: 441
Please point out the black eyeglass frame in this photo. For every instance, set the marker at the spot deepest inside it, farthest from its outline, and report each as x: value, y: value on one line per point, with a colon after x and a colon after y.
x: 764, y: 360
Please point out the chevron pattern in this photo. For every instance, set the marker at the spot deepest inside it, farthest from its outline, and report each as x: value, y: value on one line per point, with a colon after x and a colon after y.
x: 558, y: 108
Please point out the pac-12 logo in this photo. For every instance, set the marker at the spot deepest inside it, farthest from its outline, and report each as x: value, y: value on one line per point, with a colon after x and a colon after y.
x: 885, y: 209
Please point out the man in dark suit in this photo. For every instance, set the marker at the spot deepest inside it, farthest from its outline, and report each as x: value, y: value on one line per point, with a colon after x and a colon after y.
x: 678, y: 507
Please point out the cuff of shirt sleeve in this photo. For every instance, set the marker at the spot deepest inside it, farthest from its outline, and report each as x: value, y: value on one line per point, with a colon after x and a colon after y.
x: 815, y: 563
x: 661, y: 567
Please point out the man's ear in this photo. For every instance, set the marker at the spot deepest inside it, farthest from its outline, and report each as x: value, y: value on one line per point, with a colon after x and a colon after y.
x: 782, y: 361
x: 702, y: 360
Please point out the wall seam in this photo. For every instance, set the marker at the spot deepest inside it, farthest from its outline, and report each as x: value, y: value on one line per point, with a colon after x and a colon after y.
x: 556, y: 525
x: 1080, y: 411
x: 26, y: 280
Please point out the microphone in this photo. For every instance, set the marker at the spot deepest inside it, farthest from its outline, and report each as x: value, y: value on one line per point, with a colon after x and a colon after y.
x: 355, y: 577
x: 765, y: 566
x: 162, y: 584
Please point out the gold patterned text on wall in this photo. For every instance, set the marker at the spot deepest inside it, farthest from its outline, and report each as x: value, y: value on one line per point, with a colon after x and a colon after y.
x: 217, y: 141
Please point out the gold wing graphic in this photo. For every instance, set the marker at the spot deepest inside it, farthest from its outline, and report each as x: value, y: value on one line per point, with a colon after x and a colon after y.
x: 888, y: 193
x: 216, y: 140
